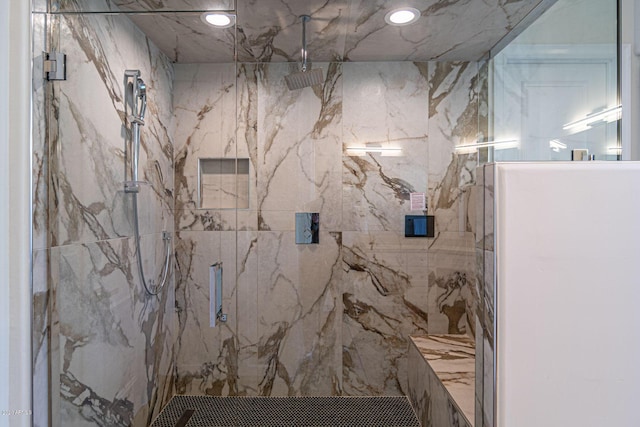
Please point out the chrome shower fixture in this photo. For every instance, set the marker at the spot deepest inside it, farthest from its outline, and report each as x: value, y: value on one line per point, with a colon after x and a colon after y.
x: 136, y: 94
x: 135, y: 100
x: 304, y: 78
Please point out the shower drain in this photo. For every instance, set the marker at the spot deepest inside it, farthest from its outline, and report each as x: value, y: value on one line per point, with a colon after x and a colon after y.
x: 201, y: 411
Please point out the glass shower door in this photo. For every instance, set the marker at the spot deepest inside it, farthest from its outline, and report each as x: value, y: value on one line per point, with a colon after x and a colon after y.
x: 104, y: 350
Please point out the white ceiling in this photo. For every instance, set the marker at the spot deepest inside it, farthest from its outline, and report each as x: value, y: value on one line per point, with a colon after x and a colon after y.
x: 348, y: 30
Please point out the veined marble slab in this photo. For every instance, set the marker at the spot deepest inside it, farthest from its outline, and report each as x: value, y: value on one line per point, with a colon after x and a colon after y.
x: 353, y: 30
x: 452, y: 359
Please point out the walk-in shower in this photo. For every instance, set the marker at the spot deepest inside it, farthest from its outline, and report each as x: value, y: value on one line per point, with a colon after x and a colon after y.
x: 202, y: 140
x: 136, y: 101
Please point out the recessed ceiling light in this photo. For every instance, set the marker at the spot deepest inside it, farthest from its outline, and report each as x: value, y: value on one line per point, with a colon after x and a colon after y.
x: 219, y: 19
x: 403, y: 16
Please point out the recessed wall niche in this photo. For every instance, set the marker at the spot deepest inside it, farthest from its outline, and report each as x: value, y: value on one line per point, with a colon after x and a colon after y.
x: 223, y: 183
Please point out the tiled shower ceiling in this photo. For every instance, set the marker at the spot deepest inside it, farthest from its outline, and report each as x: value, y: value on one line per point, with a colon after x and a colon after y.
x: 348, y: 30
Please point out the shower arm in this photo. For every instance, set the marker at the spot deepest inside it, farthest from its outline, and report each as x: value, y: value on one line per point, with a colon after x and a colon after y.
x: 305, y: 19
x: 306, y: 77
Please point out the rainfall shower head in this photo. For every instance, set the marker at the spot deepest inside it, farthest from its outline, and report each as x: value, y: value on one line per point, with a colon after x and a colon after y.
x: 304, y: 78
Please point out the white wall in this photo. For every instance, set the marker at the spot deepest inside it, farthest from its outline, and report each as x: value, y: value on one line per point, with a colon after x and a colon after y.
x: 568, y: 263
x: 15, y: 334
x: 4, y: 217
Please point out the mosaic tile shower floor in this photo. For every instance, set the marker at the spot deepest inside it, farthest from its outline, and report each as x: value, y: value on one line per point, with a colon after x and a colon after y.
x: 200, y: 411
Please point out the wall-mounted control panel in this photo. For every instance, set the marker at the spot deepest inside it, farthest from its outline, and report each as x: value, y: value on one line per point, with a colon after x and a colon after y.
x: 419, y: 226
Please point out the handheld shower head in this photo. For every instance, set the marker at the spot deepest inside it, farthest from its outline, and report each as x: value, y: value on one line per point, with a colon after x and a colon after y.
x: 135, y: 96
x: 304, y: 78
x: 142, y: 94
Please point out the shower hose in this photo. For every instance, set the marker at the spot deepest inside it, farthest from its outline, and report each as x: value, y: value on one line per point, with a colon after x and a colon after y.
x: 167, y: 255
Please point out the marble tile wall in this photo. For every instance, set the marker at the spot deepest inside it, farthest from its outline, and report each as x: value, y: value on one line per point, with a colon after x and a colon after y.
x: 455, y: 115
x: 419, y: 385
x: 104, y: 349
x: 485, y: 262
x: 332, y: 318
x: 483, y: 309
x: 386, y: 284
x: 283, y: 331
x: 441, y: 379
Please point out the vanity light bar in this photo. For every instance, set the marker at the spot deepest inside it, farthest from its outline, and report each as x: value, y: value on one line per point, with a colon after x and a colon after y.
x: 609, y: 115
x: 373, y: 149
x: 556, y: 145
x: 499, y: 145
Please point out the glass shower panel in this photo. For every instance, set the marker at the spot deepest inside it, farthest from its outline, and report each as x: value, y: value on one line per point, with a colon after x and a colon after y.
x: 175, y: 35
x: 206, y: 170
x: 110, y: 355
x: 554, y: 87
x: 39, y: 6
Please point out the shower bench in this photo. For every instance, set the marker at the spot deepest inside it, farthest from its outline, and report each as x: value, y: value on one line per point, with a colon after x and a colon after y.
x: 441, y: 374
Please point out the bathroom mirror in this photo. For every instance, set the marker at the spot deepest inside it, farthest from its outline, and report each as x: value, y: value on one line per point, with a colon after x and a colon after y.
x: 555, y: 86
